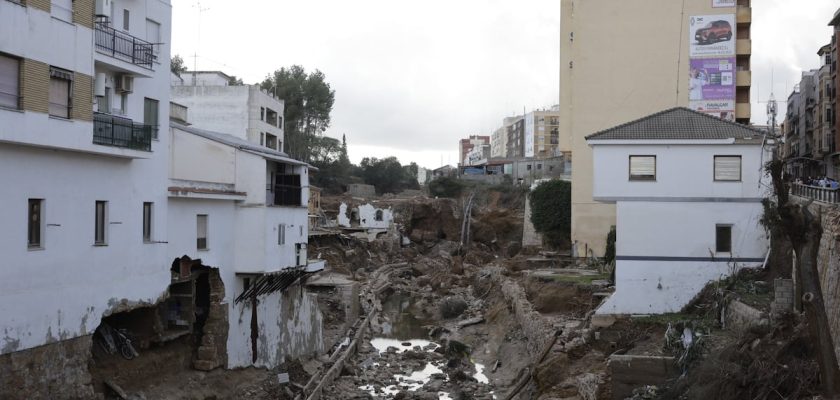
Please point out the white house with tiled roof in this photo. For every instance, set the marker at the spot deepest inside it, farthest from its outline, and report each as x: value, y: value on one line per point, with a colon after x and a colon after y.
x: 688, y: 190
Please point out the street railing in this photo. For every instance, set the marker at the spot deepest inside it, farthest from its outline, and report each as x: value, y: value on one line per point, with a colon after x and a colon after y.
x: 825, y: 195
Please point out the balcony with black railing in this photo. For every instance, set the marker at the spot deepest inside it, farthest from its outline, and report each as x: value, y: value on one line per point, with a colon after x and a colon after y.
x: 123, y: 46
x: 111, y: 130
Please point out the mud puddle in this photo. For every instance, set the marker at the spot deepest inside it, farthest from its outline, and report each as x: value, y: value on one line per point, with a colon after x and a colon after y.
x: 402, y: 353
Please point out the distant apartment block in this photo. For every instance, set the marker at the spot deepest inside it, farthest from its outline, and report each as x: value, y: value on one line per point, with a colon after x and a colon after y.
x: 516, y: 138
x: 244, y: 111
x: 468, y: 144
x: 499, y: 139
x: 542, y: 134
x: 810, y: 120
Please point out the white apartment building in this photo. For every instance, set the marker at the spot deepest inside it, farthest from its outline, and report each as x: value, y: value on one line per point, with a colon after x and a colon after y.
x: 241, y: 209
x: 244, y: 111
x: 84, y: 93
x: 499, y: 138
x: 688, y: 197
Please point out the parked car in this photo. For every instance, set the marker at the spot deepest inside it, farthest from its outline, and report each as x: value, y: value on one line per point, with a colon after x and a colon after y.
x: 713, y: 32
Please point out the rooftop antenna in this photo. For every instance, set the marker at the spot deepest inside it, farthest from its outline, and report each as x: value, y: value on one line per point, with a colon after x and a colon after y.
x: 201, y: 10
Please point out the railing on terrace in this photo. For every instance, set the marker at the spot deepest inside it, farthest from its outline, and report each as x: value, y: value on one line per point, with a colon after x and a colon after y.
x: 110, y: 130
x: 826, y: 195
x: 123, y: 46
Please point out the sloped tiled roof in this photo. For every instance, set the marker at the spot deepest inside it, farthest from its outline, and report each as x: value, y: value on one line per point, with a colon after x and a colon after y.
x: 239, y: 143
x: 677, y: 123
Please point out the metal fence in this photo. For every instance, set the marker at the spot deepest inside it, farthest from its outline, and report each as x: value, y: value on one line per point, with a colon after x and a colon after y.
x: 116, y: 131
x: 817, y: 193
x: 124, y: 46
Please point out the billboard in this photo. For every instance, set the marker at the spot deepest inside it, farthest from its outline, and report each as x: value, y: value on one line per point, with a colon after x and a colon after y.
x: 711, y: 78
x: 712, y: 63
x: 711, y: 35
x: 723, y: 3
x: 724, y: 109
x: 529, y: 135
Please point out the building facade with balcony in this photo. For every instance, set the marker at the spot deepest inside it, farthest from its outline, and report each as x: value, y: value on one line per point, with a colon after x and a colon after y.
x: 84, y: 178
x: 607, y: 59
x: 243, y: 208
x: 244, y: 111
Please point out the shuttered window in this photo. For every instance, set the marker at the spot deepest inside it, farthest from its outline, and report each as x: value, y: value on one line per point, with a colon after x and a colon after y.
x: 9, y: 82
x: 642, y: 168
x: 727, y: 168
x: 60, y: 92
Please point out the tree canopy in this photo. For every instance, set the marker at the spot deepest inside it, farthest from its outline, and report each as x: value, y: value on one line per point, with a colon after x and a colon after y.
x: 388, y: 175
x: 176, y: 65
x: 551, y: 210
x: 308, y: 103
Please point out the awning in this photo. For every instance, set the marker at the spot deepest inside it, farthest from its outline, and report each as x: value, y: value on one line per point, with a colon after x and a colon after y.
x: 274, y: 282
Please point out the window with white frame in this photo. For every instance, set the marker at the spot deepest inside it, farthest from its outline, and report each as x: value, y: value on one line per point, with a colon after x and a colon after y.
x: 36, y: 223
x: 201, y: 231
x: 642, y: 168
x: 281, y: 234
x: 61, y: 92
x: 151, y: 112
x: 100, y: 236
x: 9, y: 82
x: 728, y: 168
x: 723, y: 238
x: 153, y: 35
x: 147, y: 222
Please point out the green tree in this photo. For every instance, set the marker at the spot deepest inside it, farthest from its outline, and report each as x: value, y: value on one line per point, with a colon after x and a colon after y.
x: 388, y: 175
x: 176, y: 65
x: 308, y: 103
x: 551, y: 211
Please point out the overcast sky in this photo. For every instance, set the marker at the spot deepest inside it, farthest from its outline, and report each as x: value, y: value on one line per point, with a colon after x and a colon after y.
x: 411, y: 78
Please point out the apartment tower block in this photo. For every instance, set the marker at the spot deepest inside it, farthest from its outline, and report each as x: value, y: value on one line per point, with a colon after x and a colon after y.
x: 622, y: 60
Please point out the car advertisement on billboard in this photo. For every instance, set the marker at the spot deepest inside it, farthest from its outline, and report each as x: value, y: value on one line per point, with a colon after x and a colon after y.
x: 711, y: 35
x: 723, y: 3
x: 712, y: 79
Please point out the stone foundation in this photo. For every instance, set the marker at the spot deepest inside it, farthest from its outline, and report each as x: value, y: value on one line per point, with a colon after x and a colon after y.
x: 54, y: 371
x: 212, y: 353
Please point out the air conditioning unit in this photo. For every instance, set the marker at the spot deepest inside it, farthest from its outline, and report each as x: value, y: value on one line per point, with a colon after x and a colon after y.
x: 125, y: 83
x: 103, y: 8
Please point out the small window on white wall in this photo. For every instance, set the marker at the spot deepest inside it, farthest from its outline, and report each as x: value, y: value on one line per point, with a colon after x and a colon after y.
x: 727, y: 168
x: 723, y: 238
x: 642, y: 168
x: 281, y: 234
x: 201, y: 231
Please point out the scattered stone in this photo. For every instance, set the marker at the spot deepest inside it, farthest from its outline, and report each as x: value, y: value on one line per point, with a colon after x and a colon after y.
x: 452, y: 306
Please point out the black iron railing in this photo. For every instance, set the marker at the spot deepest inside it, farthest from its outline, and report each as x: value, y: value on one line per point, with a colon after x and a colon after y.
x: 110, y: 130
x: 287, y: 190
x: 123, y: 46
x: 825, y: 195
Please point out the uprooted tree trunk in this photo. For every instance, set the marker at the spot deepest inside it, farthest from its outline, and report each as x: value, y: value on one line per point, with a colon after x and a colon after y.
x: 804, y: 231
